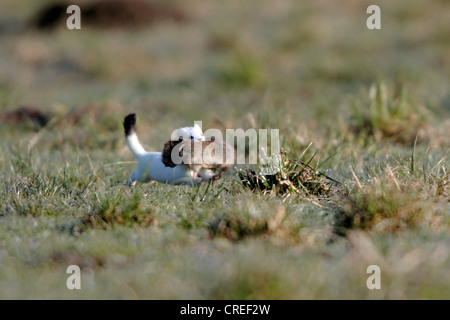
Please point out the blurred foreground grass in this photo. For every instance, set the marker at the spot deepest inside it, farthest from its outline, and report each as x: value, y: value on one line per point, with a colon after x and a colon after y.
x: 374, y: 104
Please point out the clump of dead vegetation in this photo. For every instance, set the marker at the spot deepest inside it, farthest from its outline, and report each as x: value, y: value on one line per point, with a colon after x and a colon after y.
x: 284, y: 176
x: 26, y: 116
x: 237, y: 225
x: 112, y: 211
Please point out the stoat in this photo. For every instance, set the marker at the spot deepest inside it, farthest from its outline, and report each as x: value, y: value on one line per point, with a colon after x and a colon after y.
x: 150, y: 165
x: 206, y: 159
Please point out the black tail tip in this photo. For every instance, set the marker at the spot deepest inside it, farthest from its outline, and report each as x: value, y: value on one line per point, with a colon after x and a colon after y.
x: 129, y: 124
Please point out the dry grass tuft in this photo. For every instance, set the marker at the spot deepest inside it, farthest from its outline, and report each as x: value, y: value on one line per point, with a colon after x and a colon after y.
x: 387, y: 117
x: 394, y: 203
x: 285, y: 176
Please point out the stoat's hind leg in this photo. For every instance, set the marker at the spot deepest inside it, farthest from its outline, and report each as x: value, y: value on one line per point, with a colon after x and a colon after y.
x: 132, y: 179
x: 218, y: 176
x: 206, y: 174
x: 131, y: 183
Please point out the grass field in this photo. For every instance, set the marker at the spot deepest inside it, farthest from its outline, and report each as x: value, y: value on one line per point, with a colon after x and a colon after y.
x: 368, y: 108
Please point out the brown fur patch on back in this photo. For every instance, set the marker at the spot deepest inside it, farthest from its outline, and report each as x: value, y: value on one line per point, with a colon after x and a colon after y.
x: 198, y: 160
x: 167, y: 153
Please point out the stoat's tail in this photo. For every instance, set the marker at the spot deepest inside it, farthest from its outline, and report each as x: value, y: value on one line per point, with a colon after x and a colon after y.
x: 129, y: 124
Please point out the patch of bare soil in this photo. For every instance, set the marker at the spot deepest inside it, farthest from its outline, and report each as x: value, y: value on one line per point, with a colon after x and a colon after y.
x: 107, y: 14
x: 26, y: 115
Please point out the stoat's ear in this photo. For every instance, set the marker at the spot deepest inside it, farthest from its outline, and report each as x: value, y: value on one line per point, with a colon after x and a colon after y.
x: 197, y: 126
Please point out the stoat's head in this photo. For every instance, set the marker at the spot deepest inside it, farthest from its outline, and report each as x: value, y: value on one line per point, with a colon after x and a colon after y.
x: 194, y: 133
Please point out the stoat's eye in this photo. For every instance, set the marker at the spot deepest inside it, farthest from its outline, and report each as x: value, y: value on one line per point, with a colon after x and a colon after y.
x: 192, y: 137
